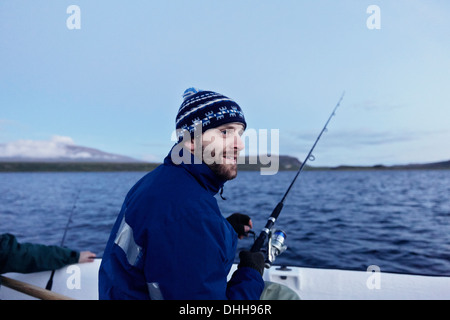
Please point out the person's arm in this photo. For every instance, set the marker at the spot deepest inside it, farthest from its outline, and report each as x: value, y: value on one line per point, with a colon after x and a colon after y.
x: 28, y: 257
x: 246, y: 282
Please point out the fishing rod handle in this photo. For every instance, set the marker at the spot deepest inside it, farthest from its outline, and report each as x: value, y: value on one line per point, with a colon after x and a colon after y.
x: 258, y: 244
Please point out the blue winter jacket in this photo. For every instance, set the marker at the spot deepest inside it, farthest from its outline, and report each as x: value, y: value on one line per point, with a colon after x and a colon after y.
x: 170, y: 232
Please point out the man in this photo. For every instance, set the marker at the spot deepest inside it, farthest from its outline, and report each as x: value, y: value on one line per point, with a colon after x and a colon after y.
x: 170, y: 239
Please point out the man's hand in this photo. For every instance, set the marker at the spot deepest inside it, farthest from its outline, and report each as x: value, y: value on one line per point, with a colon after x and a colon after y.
x: 241, y: 223
x: 253, y: 260
x: 86, y: 256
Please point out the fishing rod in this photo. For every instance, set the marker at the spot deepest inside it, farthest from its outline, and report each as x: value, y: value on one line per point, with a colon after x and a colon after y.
x: 50, y: 280
x: 280, y: 235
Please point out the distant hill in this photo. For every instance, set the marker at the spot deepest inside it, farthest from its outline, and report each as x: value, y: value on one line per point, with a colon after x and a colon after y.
x: 58, y: 150
x: 255, y: 163
x: 421, y: 166
x: 114, y: 164
x: 433, y: 165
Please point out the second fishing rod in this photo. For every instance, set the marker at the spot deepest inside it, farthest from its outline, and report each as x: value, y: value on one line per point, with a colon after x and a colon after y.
x: 266, y: 231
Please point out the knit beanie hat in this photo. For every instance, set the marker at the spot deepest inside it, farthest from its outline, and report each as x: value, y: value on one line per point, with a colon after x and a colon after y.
x: 208, y: 108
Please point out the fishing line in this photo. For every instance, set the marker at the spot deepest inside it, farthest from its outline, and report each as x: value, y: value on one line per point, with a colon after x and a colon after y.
x: 257, y: 245
x: 69, y: 220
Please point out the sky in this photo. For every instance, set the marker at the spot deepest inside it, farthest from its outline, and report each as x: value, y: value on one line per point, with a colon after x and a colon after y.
x: 111, y: 77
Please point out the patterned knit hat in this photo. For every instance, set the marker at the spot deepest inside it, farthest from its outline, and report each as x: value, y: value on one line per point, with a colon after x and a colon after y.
x: 209, y: 108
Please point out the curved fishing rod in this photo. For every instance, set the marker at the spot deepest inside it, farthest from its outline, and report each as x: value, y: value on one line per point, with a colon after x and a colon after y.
x: 257, y: 245
x: 50, y: 280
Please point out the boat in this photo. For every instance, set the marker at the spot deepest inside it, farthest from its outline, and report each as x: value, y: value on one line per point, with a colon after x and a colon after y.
x: 80, y: 282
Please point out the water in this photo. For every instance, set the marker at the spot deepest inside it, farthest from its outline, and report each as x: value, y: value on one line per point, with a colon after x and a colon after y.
x: 397, y: 220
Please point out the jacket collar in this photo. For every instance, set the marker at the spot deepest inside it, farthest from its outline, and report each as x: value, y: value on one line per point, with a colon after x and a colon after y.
x: 197, y: 168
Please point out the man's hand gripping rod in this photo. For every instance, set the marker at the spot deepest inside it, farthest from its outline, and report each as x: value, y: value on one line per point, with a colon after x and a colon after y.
x: 257, y: 245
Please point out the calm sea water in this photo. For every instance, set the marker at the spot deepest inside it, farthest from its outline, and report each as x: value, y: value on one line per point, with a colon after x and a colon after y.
x: 398, y: 220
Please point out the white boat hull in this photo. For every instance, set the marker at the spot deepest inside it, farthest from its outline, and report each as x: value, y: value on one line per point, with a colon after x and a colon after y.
x: 80, y: 281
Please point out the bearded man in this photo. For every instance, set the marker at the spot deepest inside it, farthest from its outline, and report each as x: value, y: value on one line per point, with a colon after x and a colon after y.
x: 170, y: 240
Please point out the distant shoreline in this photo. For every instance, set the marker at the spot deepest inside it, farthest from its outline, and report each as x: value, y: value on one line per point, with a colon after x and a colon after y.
x: 75, y: 166
x: 143, y: 166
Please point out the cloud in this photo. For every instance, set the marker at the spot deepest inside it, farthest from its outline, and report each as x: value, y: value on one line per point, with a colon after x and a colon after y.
x: 378, y: 105
x: 151, y: 158
x: 359, y: 137
x: 365, y: 146
x: 62, y: 140
x: 56, y: 147
x: 368, y: 137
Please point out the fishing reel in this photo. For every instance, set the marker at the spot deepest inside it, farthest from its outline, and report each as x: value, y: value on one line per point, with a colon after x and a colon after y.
x: 275, y: 246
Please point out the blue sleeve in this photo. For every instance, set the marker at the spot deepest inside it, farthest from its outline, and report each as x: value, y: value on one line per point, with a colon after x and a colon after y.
x: 193, y: 262
x: 245, y: 284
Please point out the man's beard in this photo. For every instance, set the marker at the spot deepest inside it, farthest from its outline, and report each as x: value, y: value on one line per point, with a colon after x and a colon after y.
x: 223, y: 170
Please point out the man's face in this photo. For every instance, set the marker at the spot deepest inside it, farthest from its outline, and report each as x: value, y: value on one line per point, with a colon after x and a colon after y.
x: 220, y: 149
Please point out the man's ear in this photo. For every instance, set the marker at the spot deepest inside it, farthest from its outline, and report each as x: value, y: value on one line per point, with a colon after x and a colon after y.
x: 189, y: 144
